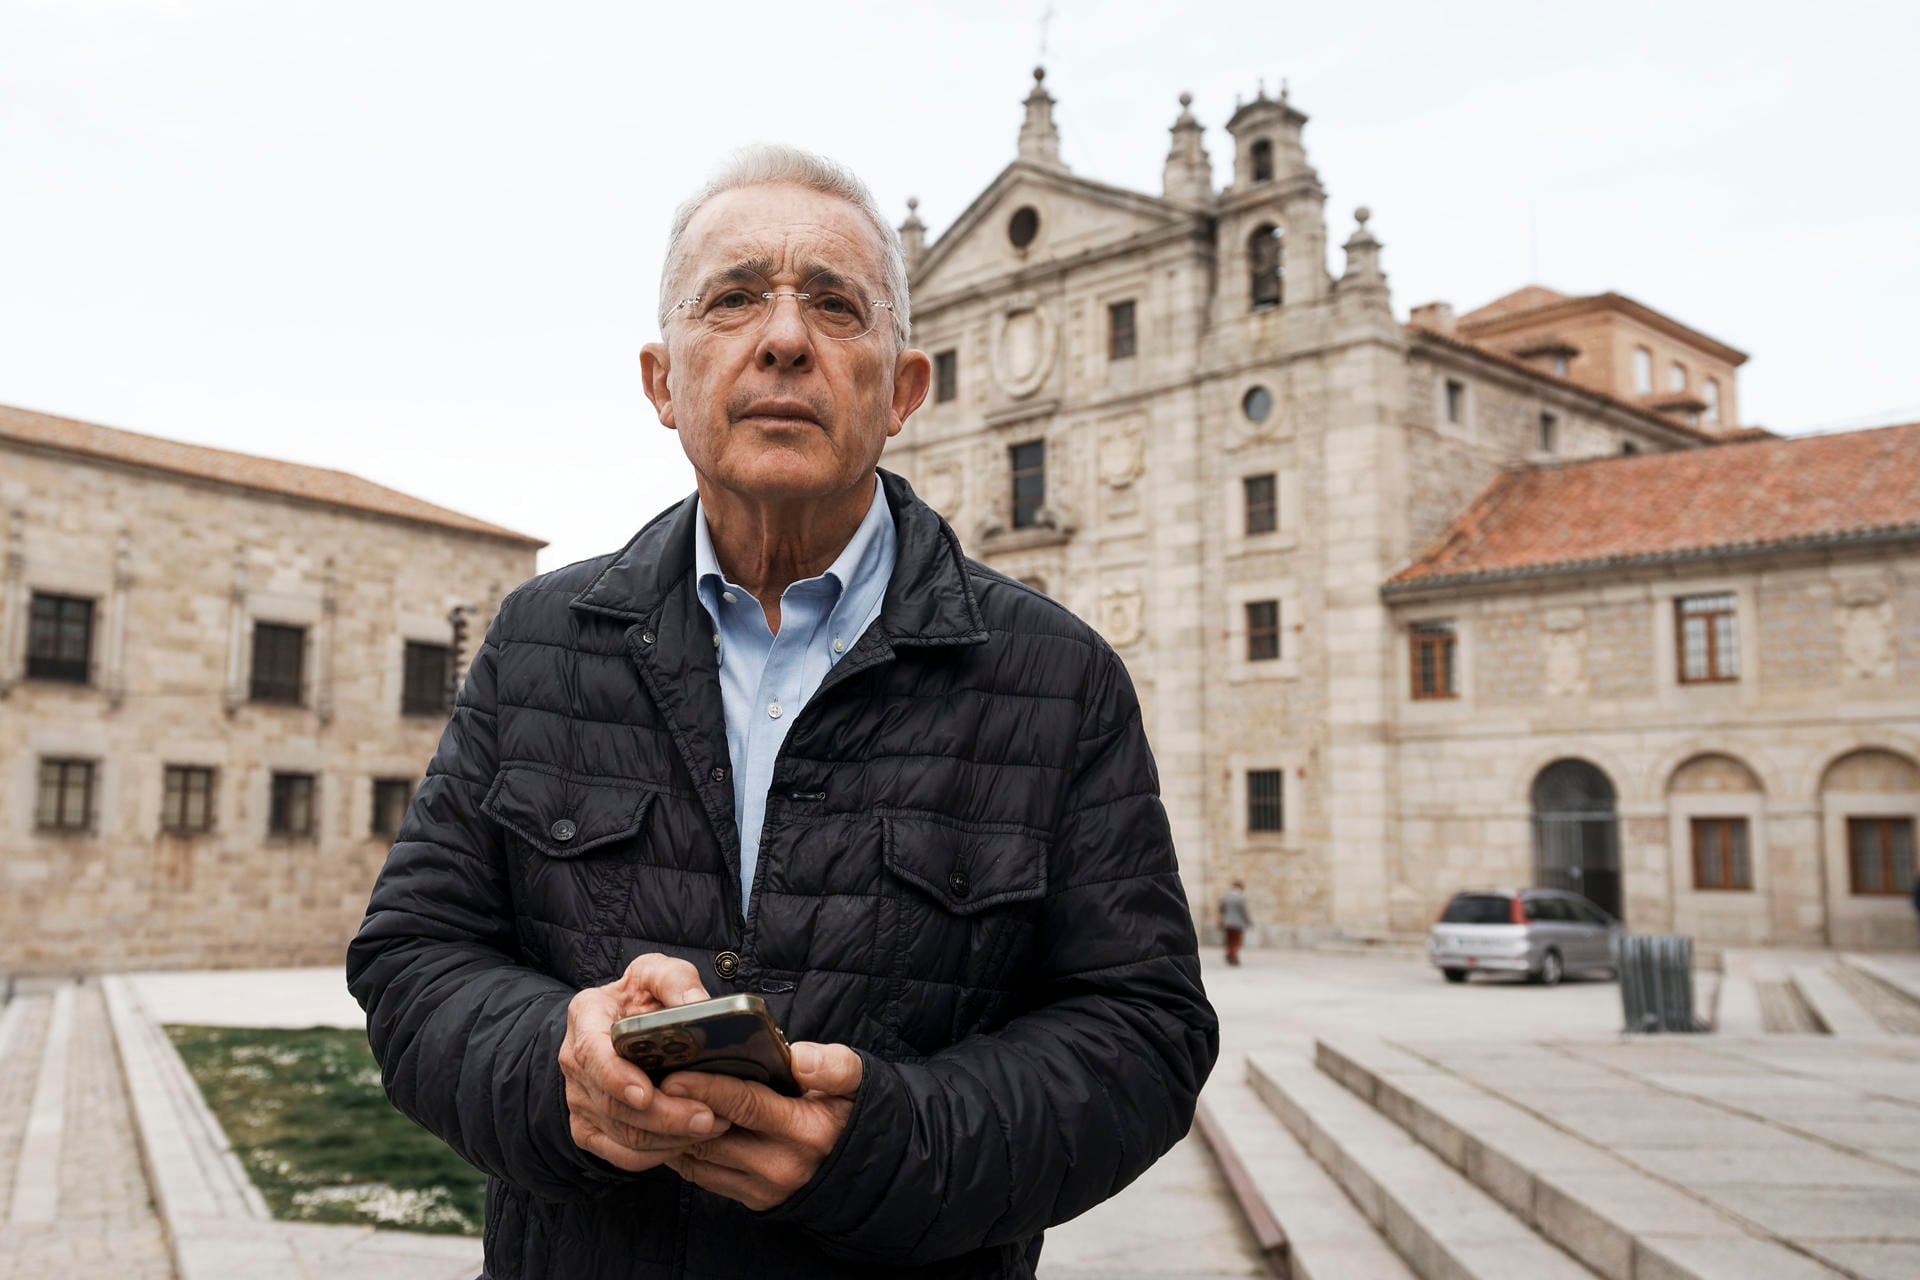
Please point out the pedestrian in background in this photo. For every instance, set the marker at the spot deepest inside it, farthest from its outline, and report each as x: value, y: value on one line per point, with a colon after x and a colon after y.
x: 1234, y: 918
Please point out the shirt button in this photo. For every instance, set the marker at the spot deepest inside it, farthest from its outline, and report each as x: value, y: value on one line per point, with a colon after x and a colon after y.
x: 728, y: 596
x: 716, y: 642
x: 959, y: 883
x: 726, y: 964
x: 839, y: 645
x: 773, y: 710
x: 562, y: 830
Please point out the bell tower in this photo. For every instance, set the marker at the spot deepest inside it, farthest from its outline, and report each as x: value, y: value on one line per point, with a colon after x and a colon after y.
x: 1273, y: 226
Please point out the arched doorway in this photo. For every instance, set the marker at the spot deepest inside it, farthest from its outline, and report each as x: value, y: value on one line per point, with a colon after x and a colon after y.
x: 1576, y: 833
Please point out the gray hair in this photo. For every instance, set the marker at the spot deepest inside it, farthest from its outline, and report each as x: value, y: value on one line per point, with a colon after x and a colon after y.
x: 768, y: 163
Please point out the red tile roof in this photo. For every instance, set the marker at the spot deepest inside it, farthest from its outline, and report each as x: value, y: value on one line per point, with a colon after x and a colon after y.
x: 1767, y: 493
x: 245, y: 470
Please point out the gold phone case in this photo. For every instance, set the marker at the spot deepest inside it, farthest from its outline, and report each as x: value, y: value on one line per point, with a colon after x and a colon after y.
x: 729, y: 1036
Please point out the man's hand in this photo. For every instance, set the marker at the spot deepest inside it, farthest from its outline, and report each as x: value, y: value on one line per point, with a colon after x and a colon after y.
x: 615, y: 1111
x: 776, y: 1143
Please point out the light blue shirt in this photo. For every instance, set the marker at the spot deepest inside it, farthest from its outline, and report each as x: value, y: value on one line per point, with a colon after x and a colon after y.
x: 766, y: 679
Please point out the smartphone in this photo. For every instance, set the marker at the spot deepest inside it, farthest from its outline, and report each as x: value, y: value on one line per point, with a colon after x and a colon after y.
x: 729, y: 1036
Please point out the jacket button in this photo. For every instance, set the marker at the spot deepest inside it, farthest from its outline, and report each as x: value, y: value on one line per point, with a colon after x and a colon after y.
x: 562, y: 830
x: 719, y: 774
x: 726, y: 964
x: 959, y: 883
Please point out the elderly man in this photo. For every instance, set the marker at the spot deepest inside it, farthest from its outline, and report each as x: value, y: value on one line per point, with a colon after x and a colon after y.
x: 789, y: 741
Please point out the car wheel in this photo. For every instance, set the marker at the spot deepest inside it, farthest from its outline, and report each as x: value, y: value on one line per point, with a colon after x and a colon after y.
x: 1551, y: 969
x: 1454, y: 975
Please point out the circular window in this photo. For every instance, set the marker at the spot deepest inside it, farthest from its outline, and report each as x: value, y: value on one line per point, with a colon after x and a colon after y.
x: 1023, y: 226
x: 1257, y: 404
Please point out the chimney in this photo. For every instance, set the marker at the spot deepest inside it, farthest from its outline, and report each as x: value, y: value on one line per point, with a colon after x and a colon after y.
x: 1437, y: 316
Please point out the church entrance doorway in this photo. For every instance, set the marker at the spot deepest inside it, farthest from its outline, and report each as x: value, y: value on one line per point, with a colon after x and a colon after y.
x: 1576, y: 833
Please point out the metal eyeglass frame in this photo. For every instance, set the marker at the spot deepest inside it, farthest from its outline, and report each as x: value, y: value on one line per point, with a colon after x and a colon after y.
x: 800, y: 299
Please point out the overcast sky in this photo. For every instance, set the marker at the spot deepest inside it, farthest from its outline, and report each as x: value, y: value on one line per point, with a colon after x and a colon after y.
x: 420, y: 241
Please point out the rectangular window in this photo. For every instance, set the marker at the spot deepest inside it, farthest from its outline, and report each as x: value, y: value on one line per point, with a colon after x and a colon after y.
x: 1120, y: 331
x: 291, y: 813
x: 1549, y: 433
x: 66, y: 796
x: 1709, y: 651
x: 277, y: 655
x: 1266, y: 809
x: 1880, y: 855
x: 59, y: 638
x: 1029, y: 481
x: 1642, y: 371
x: 1720, y: 858
x: 186, y: 799
x: 1263, y: 504
x: 946, y: 376
x: 391, y: 796
x: 1676, y: 376
x: 425, y: 690
x: 1433, y: 666
x: 1263, y: 630
x: 1710, y: 393
x: 1456, y: 401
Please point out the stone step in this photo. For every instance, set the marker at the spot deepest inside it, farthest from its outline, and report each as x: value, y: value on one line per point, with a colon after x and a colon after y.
x: 1439, y: 1222
x: 1833, y: 1005
x: 1621, y: 1222
x: 36, y: 1177
x: 1299, y: 1214
x: 1898, y: 977
x: 1737, y: 1010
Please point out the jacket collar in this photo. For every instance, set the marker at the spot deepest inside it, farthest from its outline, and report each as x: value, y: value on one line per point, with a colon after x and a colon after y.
x: 929, y: 599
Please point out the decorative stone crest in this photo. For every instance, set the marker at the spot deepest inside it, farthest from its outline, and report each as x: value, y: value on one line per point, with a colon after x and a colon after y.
x: 1025, y: 344
x: 1866, y: 638
x: 1123, y: 454
x: 1123, y: 615
x: 942, y: 488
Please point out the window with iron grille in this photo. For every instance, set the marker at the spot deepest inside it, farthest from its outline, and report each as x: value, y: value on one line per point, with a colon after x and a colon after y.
x: 66, y: 796
x: 1029, y: 481
x: 1263, y: 630
x: 278, y: 652
x: 59, y: 638
x: 424, y: 690
x: 1709, y: 650
x: 186, y: 799
x: 390, y: 799
x: 1263, y: 503
x: 1120, y: 331
x: 1720, y: 857
x: 1433, y: 665
x: 1266, y: 807
x: 1880, y: 855
x: 291, y: 810
x: 946, y: 376
x: 1456, y: 401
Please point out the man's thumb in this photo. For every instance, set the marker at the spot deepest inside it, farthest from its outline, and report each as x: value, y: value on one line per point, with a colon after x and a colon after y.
x: 830, y: 1068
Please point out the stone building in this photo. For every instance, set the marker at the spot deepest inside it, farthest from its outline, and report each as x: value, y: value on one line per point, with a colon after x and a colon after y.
x: 1165, y: 411
x: 220, y: 678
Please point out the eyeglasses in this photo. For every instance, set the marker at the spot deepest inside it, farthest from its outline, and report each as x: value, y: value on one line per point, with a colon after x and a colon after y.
x: 741, y: 301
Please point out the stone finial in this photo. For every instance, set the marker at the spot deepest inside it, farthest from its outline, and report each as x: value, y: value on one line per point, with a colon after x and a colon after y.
x: 1189, y: 170
x: 1039, y: 138
x: 1363, y: 274
x: 913, y: 234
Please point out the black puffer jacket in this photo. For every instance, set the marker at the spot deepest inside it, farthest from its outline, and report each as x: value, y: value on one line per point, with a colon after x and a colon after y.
x: 966, y: 875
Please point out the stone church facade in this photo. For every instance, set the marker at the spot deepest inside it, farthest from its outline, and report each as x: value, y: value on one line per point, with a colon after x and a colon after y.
x: 1165, y: 411
x: 221, y: 677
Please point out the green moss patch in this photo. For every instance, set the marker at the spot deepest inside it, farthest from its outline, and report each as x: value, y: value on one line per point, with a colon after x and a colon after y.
x: 306, y: 1115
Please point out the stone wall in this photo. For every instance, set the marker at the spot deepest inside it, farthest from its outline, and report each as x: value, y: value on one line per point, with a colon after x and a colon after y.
x: 180, y: 569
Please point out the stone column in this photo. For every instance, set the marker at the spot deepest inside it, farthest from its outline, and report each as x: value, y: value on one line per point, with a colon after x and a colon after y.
x: 237, y: 633
x: 329, y: 611
x: 122, y: 604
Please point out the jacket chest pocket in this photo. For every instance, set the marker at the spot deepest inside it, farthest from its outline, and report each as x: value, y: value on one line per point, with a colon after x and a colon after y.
x: 574, y: 842
x: 959, y: 920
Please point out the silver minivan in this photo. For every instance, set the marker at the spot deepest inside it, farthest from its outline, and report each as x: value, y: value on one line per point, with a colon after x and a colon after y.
x: 1543, y: 933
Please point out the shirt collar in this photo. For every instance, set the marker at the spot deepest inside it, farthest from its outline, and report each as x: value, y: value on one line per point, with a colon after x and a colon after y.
x: 864, y: 564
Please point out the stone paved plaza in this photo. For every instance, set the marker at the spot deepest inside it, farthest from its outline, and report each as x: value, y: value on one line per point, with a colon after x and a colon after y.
x: 1620, y: 1156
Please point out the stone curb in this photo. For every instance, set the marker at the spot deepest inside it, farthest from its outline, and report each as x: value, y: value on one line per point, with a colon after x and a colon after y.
x: 1620, y: 1222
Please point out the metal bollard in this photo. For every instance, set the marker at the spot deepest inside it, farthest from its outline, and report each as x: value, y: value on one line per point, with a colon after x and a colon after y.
x: 1656, y: 982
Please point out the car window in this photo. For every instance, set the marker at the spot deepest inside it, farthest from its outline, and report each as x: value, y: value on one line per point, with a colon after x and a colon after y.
x: 1478, y: 908
x: 1546, y: 909
x: 1587, y: 913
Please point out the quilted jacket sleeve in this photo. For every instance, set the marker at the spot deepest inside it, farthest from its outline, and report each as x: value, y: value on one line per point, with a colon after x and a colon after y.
x: 1003, y: 1135
x: 467, y: 1037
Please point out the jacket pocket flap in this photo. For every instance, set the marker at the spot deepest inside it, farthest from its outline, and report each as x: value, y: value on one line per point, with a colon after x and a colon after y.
x: 965, y: 867
x: 565, y: 814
